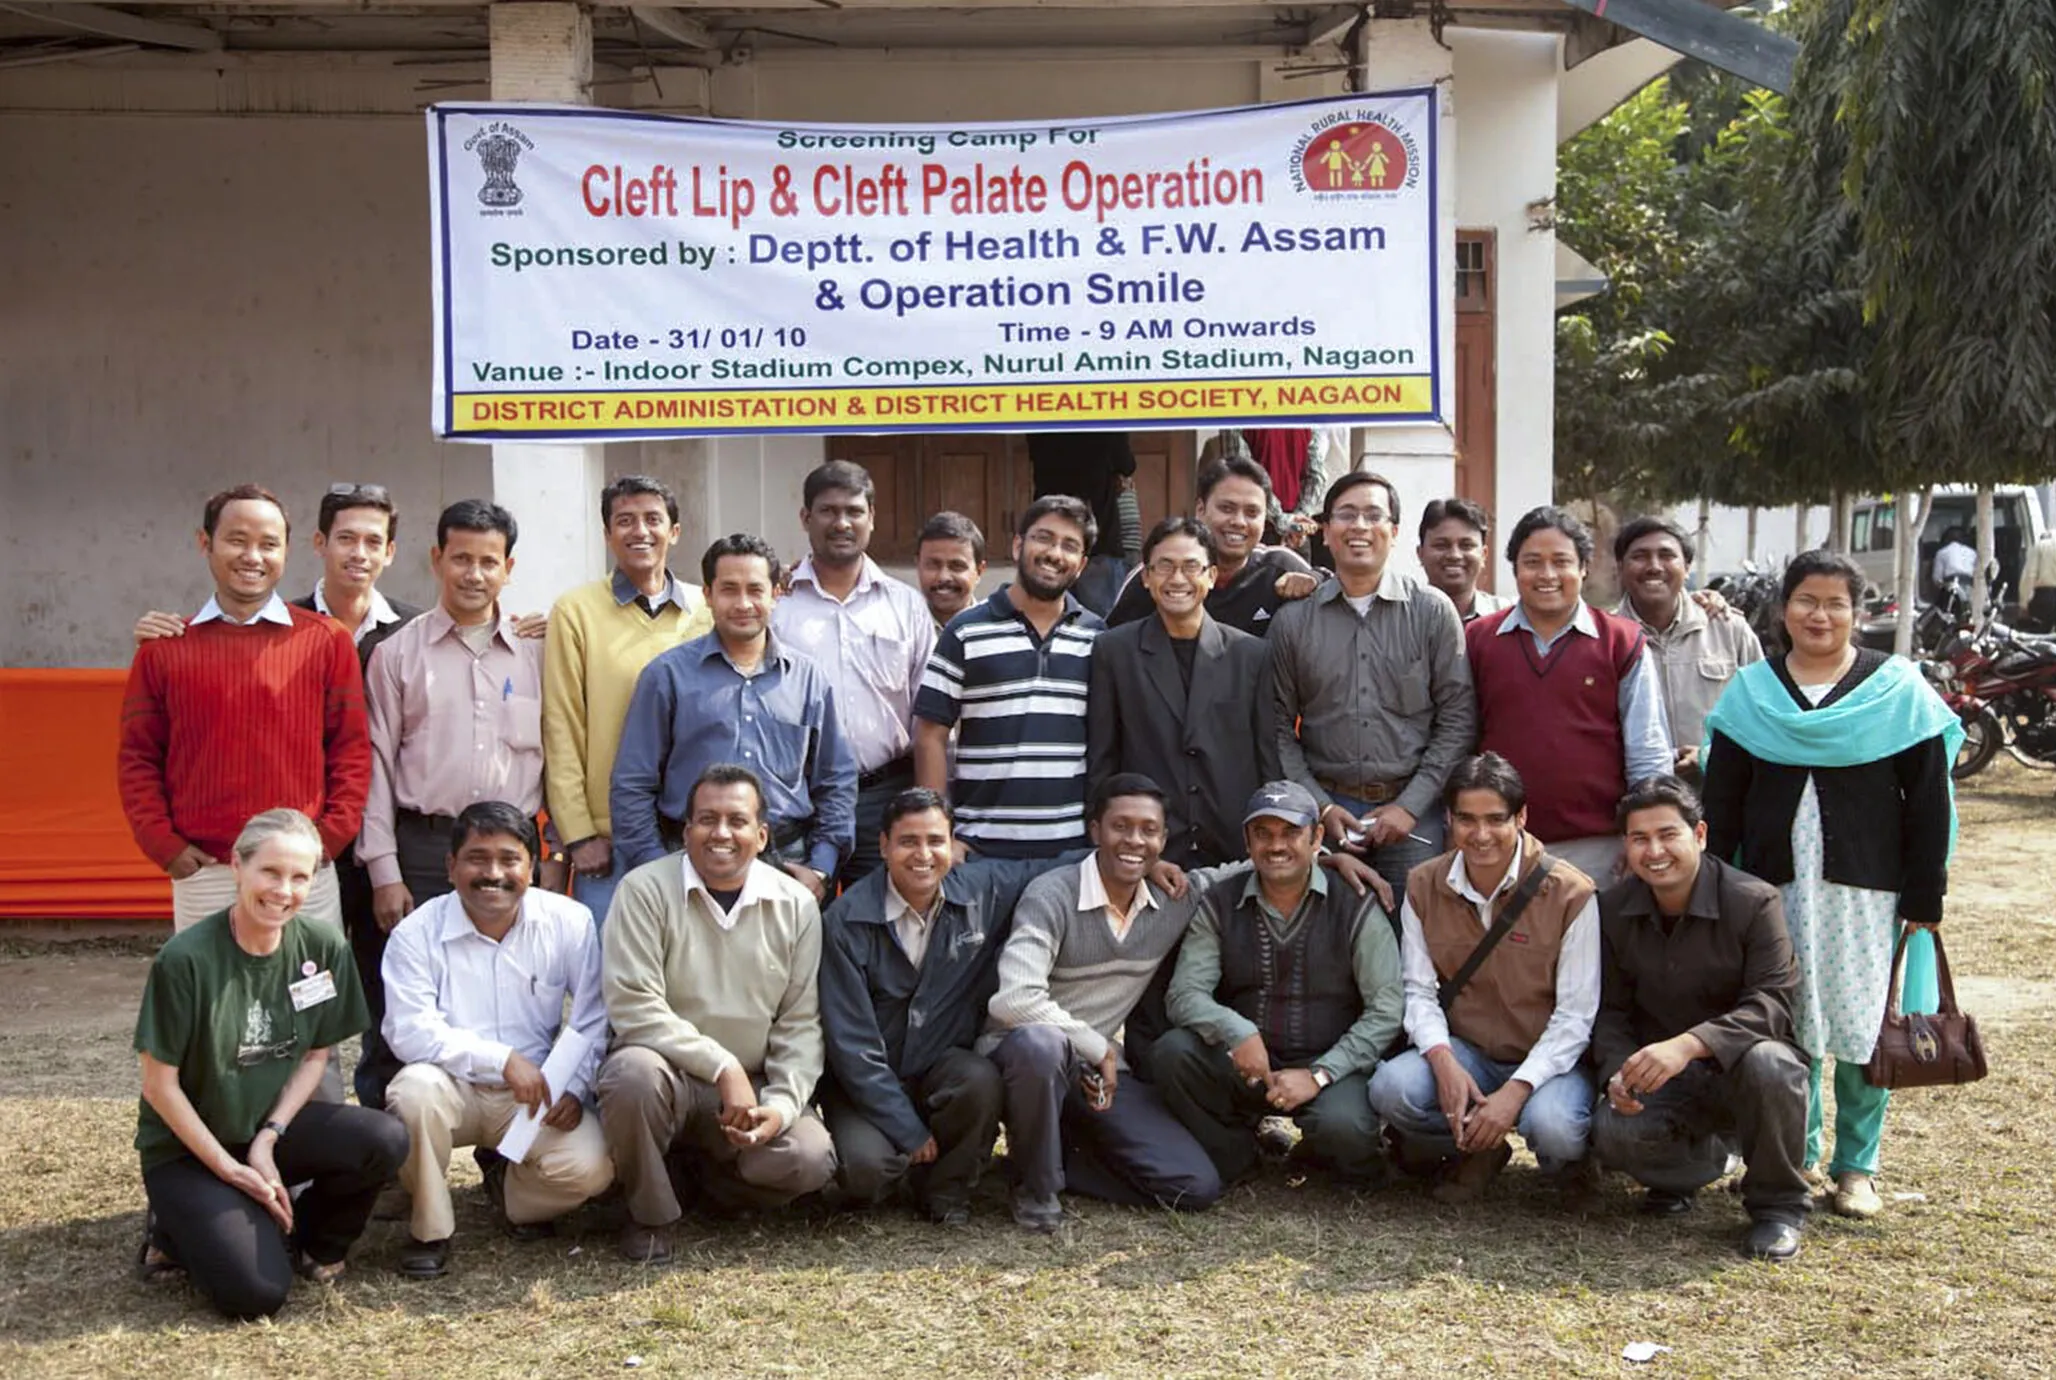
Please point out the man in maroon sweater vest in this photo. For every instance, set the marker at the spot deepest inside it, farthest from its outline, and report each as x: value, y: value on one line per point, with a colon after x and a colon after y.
x: 1568, y: 694
x: 258, y: 705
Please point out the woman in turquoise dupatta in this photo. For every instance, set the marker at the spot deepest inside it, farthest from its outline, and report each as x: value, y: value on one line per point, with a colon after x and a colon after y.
x: 1827, y: 775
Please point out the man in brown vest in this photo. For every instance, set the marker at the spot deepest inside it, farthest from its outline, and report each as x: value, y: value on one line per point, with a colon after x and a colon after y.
x: 1499, y: 1038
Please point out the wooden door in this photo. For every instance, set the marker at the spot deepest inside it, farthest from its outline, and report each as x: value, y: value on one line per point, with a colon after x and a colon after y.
x: 1477, y: 411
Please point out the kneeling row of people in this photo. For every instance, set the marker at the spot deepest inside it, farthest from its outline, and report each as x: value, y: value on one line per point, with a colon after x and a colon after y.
x: 943, y: 997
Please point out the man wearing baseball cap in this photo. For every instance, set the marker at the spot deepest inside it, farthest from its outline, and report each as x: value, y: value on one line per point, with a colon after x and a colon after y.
x: 1286, y: 994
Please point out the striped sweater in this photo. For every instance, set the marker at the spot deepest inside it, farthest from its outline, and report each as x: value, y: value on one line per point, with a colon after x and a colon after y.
x: 231, y: 720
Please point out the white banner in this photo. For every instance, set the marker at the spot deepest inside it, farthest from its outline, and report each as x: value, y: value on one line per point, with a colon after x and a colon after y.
x: 606, y: 274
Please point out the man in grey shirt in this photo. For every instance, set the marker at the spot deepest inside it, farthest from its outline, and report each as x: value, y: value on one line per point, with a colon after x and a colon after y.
x: 1373, y: 692
x: 1696, y: 652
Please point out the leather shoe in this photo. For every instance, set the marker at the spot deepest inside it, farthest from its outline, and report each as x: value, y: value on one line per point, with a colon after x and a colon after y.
x: 645, y: 1245
x: 1661, y: 1202
x: 1466, y: 1183
x: 1768, y: 1240
x: 425, y: 1259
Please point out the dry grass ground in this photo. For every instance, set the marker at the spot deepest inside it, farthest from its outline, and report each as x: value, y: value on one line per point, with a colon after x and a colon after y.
x: 1283, y: 1279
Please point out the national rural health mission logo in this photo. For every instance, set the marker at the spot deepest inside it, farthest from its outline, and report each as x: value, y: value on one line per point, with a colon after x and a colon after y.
x: 499, y: 147
x: 1355, y: 153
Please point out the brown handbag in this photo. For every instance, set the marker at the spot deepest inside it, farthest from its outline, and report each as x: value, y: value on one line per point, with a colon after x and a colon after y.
x: 1921, y: 1050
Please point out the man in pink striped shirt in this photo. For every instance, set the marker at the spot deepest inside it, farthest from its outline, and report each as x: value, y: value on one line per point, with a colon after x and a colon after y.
x: 455, y: 702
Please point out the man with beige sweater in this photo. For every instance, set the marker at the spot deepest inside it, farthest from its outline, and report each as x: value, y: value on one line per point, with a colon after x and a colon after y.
x: 709, y: 974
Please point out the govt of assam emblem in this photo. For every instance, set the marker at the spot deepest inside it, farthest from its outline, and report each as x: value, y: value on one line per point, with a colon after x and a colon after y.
x: 1355, y: 153
x: 499, y: 147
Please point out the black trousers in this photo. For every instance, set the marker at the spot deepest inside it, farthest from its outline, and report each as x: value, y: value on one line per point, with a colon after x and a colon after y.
x: 424, y: 858
x: 233, y: 1251
x: 959, y: 1098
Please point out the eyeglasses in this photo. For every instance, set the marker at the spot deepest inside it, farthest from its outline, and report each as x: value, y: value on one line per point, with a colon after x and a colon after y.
x: 1351, y: 517
x: 1050, y: 541
x: 1191, y: 570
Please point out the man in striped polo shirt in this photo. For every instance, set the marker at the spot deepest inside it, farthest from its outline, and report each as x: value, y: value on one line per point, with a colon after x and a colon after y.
x: 1013, y: 674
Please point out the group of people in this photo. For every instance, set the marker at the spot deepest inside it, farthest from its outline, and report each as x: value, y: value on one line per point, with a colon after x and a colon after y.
x: 835, y: 876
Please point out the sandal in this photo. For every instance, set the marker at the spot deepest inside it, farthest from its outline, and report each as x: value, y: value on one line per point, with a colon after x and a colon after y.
x: 154, y: 1264
x: 316, y: 1272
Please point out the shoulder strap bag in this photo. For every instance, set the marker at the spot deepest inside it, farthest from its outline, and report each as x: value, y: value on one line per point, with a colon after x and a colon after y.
x: 1447, y: 992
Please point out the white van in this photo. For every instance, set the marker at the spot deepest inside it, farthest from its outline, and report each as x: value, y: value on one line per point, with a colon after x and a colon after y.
x: 2016, y: 523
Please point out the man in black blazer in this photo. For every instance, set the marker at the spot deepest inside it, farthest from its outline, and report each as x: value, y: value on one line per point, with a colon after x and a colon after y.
x: 1185, y: 701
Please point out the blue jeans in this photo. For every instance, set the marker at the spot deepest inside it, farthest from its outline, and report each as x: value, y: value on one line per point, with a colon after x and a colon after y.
x: 597, y: 893
x: 1099, y: 584
x: 1556, y: 1123
x: 1401, y: 856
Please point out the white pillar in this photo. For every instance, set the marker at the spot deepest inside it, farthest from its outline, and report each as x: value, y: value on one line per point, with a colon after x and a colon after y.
x: 544, y: 52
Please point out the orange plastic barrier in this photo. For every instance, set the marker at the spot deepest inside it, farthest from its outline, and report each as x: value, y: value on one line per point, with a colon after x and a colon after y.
x: 65, y: 849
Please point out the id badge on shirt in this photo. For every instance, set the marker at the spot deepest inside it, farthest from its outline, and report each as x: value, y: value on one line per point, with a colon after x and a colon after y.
x: 313, y: 991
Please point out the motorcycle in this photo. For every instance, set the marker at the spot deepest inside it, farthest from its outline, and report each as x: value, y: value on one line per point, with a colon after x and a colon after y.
x: 2001, y: 684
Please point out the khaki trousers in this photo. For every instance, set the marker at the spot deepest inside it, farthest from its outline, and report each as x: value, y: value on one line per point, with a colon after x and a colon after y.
x: 564, y: 1169
x: 213, y: 888
x: 647, y: 1107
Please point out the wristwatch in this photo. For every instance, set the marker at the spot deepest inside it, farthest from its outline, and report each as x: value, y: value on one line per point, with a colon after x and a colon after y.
x: 1322, y: 1078
x: 274, y: 1128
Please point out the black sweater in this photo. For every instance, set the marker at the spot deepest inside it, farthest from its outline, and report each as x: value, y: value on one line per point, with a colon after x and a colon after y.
x: 1884, y: 824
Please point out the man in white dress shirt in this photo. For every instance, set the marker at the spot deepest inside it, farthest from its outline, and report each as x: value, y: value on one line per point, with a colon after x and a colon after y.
x: 1499, y: 949
x: 871, y: 635
x: 475, y: 986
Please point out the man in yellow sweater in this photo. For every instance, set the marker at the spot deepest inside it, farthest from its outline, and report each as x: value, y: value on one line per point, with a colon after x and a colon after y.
x: 601, y: 636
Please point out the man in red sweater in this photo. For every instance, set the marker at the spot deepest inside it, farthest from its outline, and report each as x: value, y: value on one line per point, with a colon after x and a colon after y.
x: 258, y: 705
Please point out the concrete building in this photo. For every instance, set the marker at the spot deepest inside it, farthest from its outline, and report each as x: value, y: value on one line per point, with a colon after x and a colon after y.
x: 216, y: 251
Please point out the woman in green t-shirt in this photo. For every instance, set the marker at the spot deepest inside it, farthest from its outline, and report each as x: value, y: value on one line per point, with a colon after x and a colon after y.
x: 240, y: 1013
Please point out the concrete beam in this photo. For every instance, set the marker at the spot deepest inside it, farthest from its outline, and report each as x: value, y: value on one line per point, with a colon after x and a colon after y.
x: 1731, y: 42
x: 105, y: 23
x: 676, y: 27
x: 1331, y: 24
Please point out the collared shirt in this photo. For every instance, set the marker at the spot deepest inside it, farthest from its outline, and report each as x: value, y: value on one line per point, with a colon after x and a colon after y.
x: 675, y: 592
x: 1563, y: 1040
x: 697, y: 892
x: 377, y: 613
x: 1376, y: 697
x: 1955, y: 562
x: 463, y: 1002
x: 1483, y: 602
x: 274, y: 611
x: 1696, y: 657
x: 874, y: 645
x: 449, y: 728
x: 1645, y: 732
x: 1018, y: 700
x: 1723, y: 970
x: 1092, y: 896
x: 692, y: 708
x: 911, y: 927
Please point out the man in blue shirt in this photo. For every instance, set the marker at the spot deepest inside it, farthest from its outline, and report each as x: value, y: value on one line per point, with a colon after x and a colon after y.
x: 736, y: 695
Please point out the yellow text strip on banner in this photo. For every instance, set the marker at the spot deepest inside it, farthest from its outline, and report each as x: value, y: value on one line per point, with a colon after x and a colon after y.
x: 611, y: 273
x: 886, y: 409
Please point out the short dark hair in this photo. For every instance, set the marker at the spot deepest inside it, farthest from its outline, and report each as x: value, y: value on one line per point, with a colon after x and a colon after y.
x: 493, y: 817
x: 1647, y: 526
x: 912, y: 801
x: 1345, y: 482
x: 1653, y: 792
x: 838, y: 474
x: 343, y: 496
x: 1063, y: 506
x: 1233, y: 467
x: 948, y: 526
x: 739, y: 544
x: 1181, y: 527
x: 627, y: 486
x: 1821, y: 561
x: 476, y: 515
x: 1551, y: 518
x: 210, y: 516
x: 724, y: 774
x: 1441, y: 510
x: 1487, y: 771
x: 1119, y: 784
